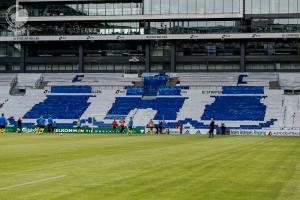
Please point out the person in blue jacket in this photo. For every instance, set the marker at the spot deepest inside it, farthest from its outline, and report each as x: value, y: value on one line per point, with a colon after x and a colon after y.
x: 50, y: 124
x: 41, y: 122
x: 164, y: 126
x: 3, y: 124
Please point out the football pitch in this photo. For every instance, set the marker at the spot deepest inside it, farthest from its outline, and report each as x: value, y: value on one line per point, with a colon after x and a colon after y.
x: 96, y: 167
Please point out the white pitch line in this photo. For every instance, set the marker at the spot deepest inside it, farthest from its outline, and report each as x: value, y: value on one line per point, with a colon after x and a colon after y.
x: 32, y: 182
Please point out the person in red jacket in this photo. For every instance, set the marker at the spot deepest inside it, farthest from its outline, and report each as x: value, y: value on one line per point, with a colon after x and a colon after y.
x: 114, y: 126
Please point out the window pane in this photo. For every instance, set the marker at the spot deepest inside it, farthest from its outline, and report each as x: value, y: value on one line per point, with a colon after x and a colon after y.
x: 293, y: 4
x: 182, y: 6
x: 201, y: 5
x: 109, y: 9
x: 274, y: 6
x: 283, y: 6
x: 209, y: 6
x: 118, y: 9
x: 192, y: 6
x: 255, y: 6
x: 265, y: 6
x: 228, y: 6
x: 236, y: 6
x: 101, y: 9
x: 174, y: 6
x: 155, y: 7
x: 248, y: 6
x: 219, y: 6
x: 147, y: 7
x: 93, y: 10
x: 165, y: 6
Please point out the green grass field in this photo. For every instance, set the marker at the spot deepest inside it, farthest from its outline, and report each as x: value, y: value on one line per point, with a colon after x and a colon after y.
x: 96, y: 167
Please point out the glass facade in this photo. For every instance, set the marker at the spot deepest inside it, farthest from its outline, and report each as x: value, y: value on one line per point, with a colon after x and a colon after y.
x: 52, y: 67
x: 10, y: 50
x: 135, y: 7
x: 165, y: 49
x: 272, y: 6
x: 194, y: 27
x: 160, y: 7
x: 208, y: 49
x: 273, y: 48
x: 109, y: 8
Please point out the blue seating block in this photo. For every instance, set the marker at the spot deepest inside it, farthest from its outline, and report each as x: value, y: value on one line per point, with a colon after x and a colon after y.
x: 167, y: 107
x: 60, y: 107
x: 153, y: 83
x: 236, y: 108
x: 122, y: 106
x: 243, y: 90
x: 138, y: 91
x: 71, y: 89
x: 170, y: 91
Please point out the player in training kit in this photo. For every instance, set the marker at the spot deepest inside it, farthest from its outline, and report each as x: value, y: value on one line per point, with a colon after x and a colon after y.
x: 130, y: 126
x: 151, y: 126
x: 114, y: 126
x: 50, y: 125
x: 122, y: 125
x: 19, y: 123
x: 78, y: 126
x: 3, y: 123
x: 212, y: 128
x: 40, y: 125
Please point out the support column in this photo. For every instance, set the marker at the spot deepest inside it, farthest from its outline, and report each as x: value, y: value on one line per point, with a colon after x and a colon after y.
x: 173, y: 58
x: 81, y: 59
x: 242, y: 59
x: 22, y: 58
x: 147, y: 57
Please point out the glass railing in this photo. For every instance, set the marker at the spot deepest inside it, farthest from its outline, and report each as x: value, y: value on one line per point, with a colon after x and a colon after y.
x: 54, y: 31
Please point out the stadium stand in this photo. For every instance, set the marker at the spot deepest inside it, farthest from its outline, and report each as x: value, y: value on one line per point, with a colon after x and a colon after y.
x: 238, y: 100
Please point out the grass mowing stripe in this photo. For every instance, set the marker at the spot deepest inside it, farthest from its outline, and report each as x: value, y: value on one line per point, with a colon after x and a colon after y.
x: 32, y: 182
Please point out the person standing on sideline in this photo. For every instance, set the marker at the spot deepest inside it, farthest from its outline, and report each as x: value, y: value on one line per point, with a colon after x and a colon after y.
x: 151, y: 126
x: 54, y: 126
x: 212, y: 128
x: 160, y: 127
x: 181, y: 129
x: 78, y: 126
x: 3, y: 124
x: 114, y: 126
x: 164, y: 126
x: 130, y: 126
x: 223, y: 129
x: 19, y: 123
x: 40, y: 125
x: 122, y: 125
x: 50, y: 125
